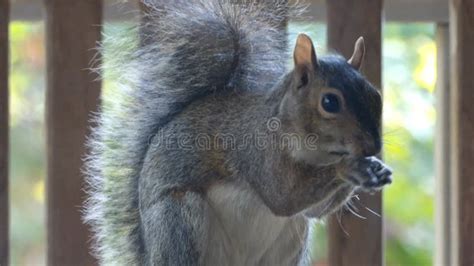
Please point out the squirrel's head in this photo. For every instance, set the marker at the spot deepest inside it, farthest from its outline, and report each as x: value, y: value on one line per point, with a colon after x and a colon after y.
x: 330, y: 99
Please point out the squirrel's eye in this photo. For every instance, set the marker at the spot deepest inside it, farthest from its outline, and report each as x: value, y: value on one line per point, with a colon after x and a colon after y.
x: 330, y: 103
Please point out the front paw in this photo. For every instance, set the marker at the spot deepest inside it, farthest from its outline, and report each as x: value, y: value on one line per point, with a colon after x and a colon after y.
x: 371, y: 174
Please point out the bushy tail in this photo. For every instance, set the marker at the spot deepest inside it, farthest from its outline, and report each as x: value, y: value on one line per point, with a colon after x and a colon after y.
x: 188, y: 49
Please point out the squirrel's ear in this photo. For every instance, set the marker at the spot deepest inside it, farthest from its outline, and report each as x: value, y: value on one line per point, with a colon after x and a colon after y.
x: 358, y: 56
x: 305, y: 58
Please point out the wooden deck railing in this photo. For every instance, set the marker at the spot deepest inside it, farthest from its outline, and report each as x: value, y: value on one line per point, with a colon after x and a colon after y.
x: 462, y: 131
x: 347, y: 20
x: 4, y: 200
x: 73, y: 29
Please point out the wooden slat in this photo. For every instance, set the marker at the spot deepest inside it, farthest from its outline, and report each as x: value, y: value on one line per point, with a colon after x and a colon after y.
x: 443, y: 150
x: 395, y: 10
x: 462, y: 134
x: 73, y: 28
x: 354, y: 241
x: 4, y: 199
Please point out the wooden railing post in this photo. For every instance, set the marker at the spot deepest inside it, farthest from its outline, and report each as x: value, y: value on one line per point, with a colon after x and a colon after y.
x: 354, y: 241
x: 4, y: 199
x: 73, y: 30
x: 443, y: 150
x: 462, y: 132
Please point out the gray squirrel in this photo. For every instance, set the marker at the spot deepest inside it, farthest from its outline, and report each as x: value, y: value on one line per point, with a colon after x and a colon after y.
x: 212, y: 152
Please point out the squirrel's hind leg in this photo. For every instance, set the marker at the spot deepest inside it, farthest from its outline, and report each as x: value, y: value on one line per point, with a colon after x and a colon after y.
x: 174, y: 229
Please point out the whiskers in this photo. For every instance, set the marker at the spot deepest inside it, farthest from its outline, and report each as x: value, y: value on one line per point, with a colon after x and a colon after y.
x: 339, y: 221
x: 389, y: 137
x: 351, y: 206
x: 393, y: 131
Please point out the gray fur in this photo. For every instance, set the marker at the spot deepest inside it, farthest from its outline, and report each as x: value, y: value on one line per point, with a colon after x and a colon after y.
x: 213, y: 68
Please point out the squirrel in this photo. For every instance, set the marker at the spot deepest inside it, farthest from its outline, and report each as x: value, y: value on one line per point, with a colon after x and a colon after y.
x: 213, y: 152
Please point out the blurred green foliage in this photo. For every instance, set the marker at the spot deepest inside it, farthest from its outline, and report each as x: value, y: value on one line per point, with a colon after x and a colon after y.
x: 409, y: 116
x: 27, y: 138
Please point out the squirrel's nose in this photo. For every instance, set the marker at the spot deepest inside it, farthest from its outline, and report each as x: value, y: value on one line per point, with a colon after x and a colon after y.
x: 372, y: 148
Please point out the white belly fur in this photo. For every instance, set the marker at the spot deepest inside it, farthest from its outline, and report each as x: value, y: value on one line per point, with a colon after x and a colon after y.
x: 243, y: 231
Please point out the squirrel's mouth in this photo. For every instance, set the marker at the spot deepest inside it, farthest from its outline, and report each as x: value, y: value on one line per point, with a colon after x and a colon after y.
x: 339, y: 153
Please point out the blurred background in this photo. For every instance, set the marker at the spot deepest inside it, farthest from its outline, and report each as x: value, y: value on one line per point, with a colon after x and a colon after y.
x: 409, y: 75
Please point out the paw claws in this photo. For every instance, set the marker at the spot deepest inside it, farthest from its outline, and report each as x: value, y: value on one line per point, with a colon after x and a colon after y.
x: 376, y: 174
